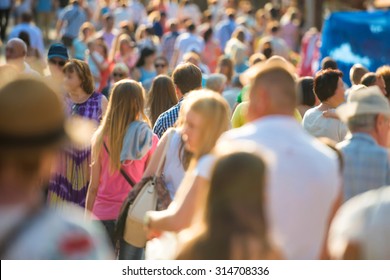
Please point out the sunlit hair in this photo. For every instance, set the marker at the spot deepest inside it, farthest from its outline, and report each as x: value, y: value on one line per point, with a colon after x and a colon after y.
x: 84, y: 27
x: 235, y: 216
x: 126, y: 105
x: 83, y: 72
x: 161, y: 97
x: 215, y: 114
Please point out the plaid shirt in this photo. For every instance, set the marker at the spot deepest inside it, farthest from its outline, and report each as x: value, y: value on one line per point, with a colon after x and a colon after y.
x: 166, y: 120
x: 366, y: 165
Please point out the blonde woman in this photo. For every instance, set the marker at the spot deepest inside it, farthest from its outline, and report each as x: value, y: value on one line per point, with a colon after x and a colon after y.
x: 124, y: 51
x: 204, y: 116
x: 123, y: 143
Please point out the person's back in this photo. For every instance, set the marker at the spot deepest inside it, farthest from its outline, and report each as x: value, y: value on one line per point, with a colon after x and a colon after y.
x: 366, y: 158
x: 303, y: 181
x: 320, y: 126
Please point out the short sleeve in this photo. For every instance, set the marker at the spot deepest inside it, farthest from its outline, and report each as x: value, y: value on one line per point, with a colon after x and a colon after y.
x: 204, y: 166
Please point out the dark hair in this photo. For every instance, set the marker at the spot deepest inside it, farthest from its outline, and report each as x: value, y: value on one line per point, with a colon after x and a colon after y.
x: 329, y: 63
x: 82, y: 70
x: 187, y: 77
x: 369, y: 79
x: 235, y: 209
x: 161, y: 97
x: 25, y: 37
x: 208, y: 34
x: 306, y: 95
x: 26, y: 17
x: 145, y: 52
x: 225, y: 61
x: 190, y: 26
x: 325, y: 83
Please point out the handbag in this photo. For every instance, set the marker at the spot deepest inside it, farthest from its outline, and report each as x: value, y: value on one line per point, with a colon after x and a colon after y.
x: 149, y: 194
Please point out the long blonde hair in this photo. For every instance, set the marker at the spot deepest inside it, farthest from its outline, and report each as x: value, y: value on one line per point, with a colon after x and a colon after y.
x: 125, y: 106
x: 215, y: 113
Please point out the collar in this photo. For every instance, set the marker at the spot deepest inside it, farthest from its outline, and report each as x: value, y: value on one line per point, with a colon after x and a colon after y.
x: 276, y: 120
x: 363, y: 137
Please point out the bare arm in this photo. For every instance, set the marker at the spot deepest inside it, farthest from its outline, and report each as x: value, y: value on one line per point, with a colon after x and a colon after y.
x: 151, y: 169
x: 181, y: 211
x: 336, y: 205
x: 93, y: 184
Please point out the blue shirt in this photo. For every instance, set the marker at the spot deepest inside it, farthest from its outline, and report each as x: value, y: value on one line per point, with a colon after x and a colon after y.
x: 224, y: 31
x: 74, y: 16
x: 167, y: 120
x: 366, y: 165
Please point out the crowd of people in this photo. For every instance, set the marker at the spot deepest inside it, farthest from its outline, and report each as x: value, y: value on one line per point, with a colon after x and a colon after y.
x: 264, y: 156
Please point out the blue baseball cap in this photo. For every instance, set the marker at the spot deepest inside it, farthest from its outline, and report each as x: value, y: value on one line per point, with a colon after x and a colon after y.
x: 58, y: 50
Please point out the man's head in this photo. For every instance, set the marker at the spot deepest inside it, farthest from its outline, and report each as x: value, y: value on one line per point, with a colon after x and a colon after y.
x: 57, y: 58
x: 329, y: 87
x: 216, y: 82
x: 186, y: 77
x: 367, y: 111
x: 272, y: 91
x: 373, y: 79
x: 329, y: 63
x: 15, y: 51
x: 356, y: 73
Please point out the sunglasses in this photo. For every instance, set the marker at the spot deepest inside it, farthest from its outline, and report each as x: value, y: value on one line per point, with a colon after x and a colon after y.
x: 159, y: 65
x: 58, y: 62
x: 118, y: 75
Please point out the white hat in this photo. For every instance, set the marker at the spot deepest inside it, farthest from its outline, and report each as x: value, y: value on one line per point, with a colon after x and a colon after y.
x: 365, y: 101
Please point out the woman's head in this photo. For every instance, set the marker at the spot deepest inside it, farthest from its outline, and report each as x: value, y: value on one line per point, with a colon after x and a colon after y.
x: 78, y: 75
x: 161, y: 64
x: 305, y: 91
x: 161, y: 97
x: 328, y: 83
x: 205, y: 116
x: 235, y: 203
x: 86, y: 31
x: 147, y: 56
x: 125, y: 44
x: 126, y: 105
x: 225, y: 66
x: 120, y: 72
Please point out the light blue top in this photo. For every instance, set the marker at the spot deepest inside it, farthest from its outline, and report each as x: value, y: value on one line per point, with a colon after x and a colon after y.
x: 366, y: 165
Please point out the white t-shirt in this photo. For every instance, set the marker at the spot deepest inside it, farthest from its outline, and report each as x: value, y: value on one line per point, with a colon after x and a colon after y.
x: 303, y: 185
x: 319, y: 126
x: 173, y: 168
x: 204, y: 167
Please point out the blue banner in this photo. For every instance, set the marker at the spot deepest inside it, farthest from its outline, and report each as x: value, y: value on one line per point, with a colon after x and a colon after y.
x: 357, y: 37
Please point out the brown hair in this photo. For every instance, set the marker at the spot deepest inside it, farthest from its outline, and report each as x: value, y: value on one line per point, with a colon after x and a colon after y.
x: 235, y: 217
x: 161, y: 97
x: 384, y: 71
x: 225, y: 61
x: 83, y: 72
x: 187, y: 77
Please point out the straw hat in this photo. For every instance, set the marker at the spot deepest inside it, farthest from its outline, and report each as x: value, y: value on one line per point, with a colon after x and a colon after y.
x: 32, y: 116
x: 365, y: 101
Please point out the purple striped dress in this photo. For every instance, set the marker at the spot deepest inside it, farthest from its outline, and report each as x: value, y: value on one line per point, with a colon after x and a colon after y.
x: 70, y: 180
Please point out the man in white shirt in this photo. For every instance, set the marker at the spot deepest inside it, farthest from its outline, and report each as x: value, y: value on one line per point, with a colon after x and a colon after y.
x: 187, y: 42
x: 303, y: 183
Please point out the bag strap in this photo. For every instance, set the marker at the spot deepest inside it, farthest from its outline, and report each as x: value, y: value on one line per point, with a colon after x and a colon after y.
x: 162, y: 158
x: 14, y: 233
x: 122, y: 171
